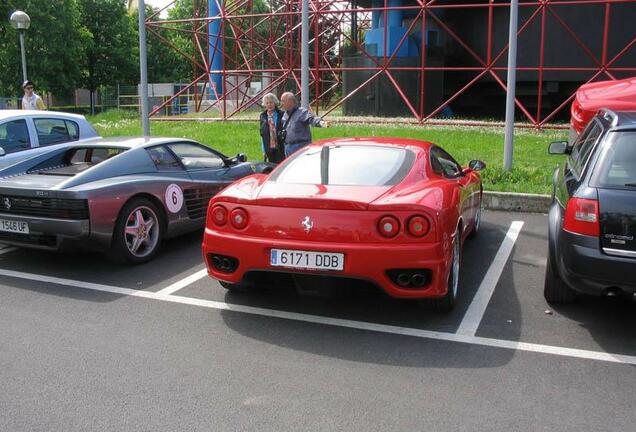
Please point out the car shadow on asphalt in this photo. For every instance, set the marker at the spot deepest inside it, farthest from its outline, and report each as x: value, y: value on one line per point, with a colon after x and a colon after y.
x: 611, y: 322
x: 176, y: 256
x: 376, y: 307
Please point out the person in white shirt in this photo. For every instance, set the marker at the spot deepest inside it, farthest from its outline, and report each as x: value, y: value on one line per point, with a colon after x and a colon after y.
x: 31, y: 101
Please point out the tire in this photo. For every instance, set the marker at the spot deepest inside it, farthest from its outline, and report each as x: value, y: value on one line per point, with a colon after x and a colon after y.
x: 474, y: 232
x: 449, y: 300
x: 133, y: 241
x: 234, y: 288
x: 555, y: 290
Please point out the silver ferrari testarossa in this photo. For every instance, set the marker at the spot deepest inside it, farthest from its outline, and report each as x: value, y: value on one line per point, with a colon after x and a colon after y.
x: 121, y: 195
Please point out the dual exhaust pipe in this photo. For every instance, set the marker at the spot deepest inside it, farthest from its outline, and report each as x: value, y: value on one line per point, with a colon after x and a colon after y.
x: 415, y: 280
x: 410, y: 278
x: 224, y: 264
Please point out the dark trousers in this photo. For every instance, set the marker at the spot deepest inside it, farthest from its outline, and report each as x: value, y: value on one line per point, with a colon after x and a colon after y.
x: 275, y: 155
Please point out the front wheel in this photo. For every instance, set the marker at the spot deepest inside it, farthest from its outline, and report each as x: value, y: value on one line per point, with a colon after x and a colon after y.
x: 138, y: 232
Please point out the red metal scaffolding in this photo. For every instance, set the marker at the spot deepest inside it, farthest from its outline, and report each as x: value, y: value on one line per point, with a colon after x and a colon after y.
x: 261, y: 51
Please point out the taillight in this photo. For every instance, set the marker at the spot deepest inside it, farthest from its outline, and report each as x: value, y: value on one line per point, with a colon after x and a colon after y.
x: 238, y: 218
x: 219, y: 215
x: 418, y: 226
x: 581, y: 217
x: 388, y: 226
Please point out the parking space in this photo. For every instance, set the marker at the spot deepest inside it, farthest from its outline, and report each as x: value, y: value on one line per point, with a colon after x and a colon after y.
x: 172, y: 321
x: 501, y: 290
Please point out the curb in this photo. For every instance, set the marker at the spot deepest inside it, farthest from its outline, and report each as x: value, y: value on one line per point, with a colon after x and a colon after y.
x: 517, y: 202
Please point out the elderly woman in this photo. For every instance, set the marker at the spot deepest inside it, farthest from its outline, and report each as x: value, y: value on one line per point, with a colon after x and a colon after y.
x: 271, y: 124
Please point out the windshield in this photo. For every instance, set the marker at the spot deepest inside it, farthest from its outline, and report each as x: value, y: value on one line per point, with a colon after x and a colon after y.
x: 618, y: 164
x: 350, y: 165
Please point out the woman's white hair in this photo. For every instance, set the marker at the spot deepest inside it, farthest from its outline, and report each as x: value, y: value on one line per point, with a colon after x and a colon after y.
x: 270, y: 97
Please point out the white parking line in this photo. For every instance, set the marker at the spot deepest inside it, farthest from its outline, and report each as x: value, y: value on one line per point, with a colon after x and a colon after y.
x: 183, y: 282
x: 477, y: 308
x: 6, y: 249
x: 337, y: 322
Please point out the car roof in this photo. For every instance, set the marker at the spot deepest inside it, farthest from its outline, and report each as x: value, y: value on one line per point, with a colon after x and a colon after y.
x: 5, y: 114
x: 128, y: 142
x: 625, y: 120
x: 382, y: 141
x: 617, y: 120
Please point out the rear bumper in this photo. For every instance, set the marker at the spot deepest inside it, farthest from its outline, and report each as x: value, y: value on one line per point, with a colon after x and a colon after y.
x: 46, y: 233
x: 368, y: 262
x: 583, y: 266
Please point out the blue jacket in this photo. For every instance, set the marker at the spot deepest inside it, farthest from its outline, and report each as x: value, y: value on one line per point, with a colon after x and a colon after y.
x: 298, y: 131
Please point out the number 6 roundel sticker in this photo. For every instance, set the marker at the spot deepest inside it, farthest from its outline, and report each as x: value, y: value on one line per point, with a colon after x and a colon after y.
x: 174, y: 198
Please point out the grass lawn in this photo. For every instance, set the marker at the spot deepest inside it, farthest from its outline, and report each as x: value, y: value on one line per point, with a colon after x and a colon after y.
x: 532, y: 172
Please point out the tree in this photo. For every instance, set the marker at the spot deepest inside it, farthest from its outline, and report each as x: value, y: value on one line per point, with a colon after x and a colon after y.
x: 54, y: 46
x: 110, y: 49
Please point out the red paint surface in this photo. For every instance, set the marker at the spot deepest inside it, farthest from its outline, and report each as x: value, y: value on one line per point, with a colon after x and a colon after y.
x: 619, y: 95
x: 345, y: 220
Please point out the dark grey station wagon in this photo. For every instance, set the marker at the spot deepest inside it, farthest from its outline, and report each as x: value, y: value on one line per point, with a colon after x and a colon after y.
x: 592, y: 221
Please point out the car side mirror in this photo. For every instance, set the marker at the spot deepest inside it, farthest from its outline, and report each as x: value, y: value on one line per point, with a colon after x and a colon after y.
x: 476, y: 165
x: 2, y: 152
x: 241, y: 157
x: 558, y: 148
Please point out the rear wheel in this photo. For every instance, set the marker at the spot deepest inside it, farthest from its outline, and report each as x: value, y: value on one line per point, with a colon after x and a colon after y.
x: 447, y: 302
x: 138, y: 232
x: 554, y: 289
x: 477, y: 223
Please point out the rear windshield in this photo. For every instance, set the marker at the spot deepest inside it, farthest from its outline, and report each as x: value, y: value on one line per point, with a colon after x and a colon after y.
x: 618, y: 164
x: 350, y: 165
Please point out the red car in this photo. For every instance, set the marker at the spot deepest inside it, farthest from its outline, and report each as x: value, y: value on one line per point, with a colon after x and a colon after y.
x: 619, y: 95
x: 390, y: 211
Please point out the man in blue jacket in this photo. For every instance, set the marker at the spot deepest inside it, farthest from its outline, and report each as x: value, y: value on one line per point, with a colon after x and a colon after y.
x: 296, y: 123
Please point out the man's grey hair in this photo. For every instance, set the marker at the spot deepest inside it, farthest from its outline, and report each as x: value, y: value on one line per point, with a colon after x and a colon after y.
x: 270, y: 97
x: 290, y: 96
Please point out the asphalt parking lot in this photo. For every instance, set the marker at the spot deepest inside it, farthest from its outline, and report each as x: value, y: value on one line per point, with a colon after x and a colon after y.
x: 90, y: 345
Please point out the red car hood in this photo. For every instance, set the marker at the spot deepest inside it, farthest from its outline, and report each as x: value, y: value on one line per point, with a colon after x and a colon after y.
x: 319, y: 196
x: 617, y: 95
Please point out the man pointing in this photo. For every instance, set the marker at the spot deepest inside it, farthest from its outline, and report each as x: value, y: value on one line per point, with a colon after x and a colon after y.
x: 296, y: 123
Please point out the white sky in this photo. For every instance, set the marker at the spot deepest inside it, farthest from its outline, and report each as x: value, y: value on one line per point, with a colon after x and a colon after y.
x: 158, y: 3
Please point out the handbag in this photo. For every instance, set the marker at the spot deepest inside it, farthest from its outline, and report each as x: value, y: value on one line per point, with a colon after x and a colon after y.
x: 281, y: 135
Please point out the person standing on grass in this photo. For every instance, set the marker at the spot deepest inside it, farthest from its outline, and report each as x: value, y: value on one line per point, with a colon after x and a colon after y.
x: 30, y: 100
x: 271, y: 125
x: 296, y: 123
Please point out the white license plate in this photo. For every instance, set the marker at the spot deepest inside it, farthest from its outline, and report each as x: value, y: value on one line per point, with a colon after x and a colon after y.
x: 306, y: 259
x: 14, y: 226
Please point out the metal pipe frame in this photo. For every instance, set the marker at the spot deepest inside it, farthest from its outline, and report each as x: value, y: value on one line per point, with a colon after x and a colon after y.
x: 265, y: 47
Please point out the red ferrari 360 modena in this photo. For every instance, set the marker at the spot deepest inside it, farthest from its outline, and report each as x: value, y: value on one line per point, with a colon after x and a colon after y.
x: 392, y: 212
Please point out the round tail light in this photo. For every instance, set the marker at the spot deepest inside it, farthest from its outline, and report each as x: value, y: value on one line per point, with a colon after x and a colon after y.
x: 418, y: 226
x: 219, y: 215
x: 388, y: 226
x: 238, y: 218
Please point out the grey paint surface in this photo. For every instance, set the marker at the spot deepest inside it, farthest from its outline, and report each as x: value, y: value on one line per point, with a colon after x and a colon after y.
x: 108, y: 186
